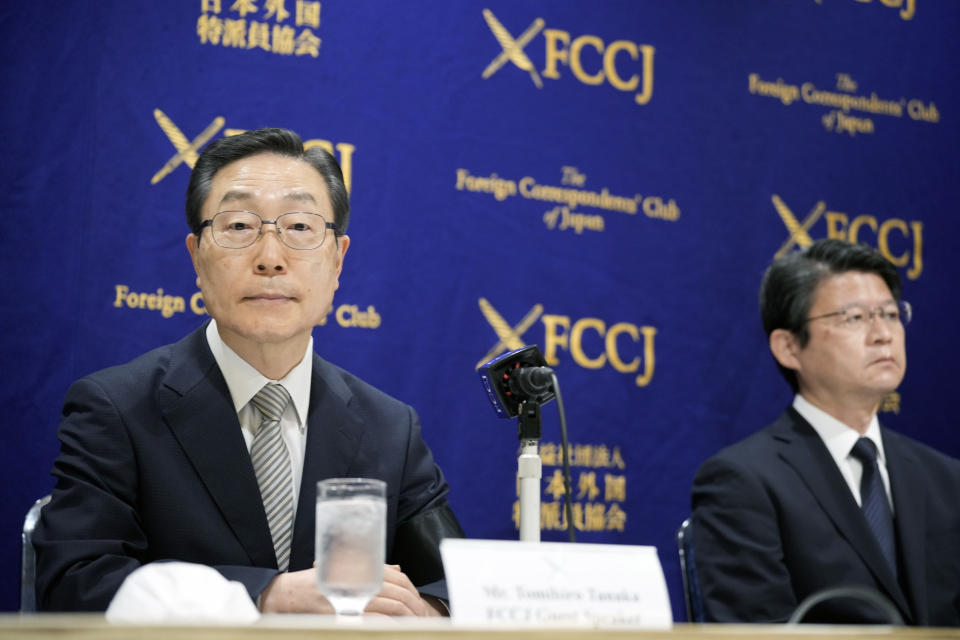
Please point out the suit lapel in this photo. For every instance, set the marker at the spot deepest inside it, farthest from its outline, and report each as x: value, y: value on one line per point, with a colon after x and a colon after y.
x: 196, y: 404
x: 334, y: 434
x: 804, y: 451
x: 909, y: 502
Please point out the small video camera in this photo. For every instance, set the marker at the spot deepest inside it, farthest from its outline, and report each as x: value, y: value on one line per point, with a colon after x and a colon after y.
x: 507, y: 387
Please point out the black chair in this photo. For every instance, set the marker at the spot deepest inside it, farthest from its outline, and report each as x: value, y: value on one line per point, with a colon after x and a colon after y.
x: 28, y: 574
x: 851, y: 592
x: 696, y: 612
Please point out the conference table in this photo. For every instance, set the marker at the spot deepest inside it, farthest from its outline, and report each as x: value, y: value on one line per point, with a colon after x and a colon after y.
x: 89, y: 626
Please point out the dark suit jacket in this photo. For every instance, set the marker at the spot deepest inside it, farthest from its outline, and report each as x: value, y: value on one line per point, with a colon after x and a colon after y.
x: 774, y: 522
x: 153, y: 466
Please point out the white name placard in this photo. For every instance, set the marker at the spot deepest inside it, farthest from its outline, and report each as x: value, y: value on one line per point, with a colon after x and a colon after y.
x: 521, y: 584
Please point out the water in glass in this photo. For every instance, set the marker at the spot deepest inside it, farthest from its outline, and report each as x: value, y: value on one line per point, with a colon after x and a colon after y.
x: 350, y: 543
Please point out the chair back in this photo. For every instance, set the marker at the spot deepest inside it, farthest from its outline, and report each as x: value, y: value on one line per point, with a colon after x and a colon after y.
x: 696, y: 611
x: 850, y: 592
x: 28, y: 574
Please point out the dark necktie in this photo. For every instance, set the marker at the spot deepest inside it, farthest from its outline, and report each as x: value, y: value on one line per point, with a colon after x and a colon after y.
x: 873, y: 500
x: 271, y: 463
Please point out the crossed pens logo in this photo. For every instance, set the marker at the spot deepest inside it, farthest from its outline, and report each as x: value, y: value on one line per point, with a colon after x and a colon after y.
x: 799, y: 231
x: 186, y: 151
x: 512, y: 48
x: 509, y: 337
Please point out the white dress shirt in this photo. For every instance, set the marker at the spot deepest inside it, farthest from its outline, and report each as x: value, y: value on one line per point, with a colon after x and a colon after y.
x: 244, y: 382
x: 840, y: 439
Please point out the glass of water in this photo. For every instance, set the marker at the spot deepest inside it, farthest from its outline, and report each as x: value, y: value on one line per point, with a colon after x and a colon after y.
x: 351, y: 541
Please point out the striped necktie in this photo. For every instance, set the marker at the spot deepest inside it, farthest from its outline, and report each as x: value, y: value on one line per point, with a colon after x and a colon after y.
x: 271, y: 463
x: 873, y: 500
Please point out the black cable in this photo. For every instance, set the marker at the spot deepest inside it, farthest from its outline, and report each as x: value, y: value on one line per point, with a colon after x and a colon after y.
x: 565, y: 446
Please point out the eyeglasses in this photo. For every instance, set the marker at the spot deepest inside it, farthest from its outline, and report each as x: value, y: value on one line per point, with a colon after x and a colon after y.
x: 857, y: 317
x: 239, y: 229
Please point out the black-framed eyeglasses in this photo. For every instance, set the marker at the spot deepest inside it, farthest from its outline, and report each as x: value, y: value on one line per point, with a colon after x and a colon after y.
x: 299, y: 230
x: 857, y: 317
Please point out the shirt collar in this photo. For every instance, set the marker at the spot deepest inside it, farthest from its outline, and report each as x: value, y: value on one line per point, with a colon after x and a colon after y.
x: 244, y: 381
x: 837, y: 436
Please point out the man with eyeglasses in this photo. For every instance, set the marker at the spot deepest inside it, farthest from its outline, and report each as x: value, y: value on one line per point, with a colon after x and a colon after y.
x: 825, y: 497
x: 209, y: 450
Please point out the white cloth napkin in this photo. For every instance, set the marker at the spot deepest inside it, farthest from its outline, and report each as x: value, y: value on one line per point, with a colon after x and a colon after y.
x: 181, y: 592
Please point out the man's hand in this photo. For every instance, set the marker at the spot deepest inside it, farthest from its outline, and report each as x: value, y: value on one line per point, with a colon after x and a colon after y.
x: 297, y: 593
x: 294, y: 593
x: 399, y: 597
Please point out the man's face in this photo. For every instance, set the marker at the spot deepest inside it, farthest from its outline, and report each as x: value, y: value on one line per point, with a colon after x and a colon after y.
x: 267, y: 293
x: 848, y: 365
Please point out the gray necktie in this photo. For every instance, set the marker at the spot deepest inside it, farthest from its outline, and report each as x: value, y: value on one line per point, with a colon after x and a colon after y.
x: 873, y: 500
x: 271, y: 463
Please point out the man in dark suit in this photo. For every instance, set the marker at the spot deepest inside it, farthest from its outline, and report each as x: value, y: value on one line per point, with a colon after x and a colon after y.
x: 826, y: 497
x: 163, y: 458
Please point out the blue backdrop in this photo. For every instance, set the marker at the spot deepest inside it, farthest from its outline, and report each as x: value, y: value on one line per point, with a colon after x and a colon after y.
x: 605, y: 179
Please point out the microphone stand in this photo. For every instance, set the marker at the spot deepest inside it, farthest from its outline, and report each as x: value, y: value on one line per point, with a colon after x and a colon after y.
x: 529, y: 470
